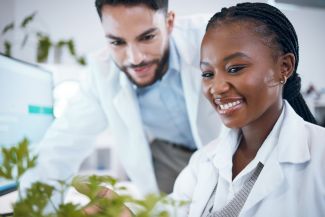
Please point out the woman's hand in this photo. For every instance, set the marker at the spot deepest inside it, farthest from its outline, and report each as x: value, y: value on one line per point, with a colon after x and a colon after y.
x: 107, y: 193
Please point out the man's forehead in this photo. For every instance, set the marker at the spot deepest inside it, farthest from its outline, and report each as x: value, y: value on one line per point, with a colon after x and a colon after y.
x: 123, y: 21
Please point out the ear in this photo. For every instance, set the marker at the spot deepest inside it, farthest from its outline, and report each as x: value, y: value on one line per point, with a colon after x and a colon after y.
x: 287, y: 64
x: 170, y: 21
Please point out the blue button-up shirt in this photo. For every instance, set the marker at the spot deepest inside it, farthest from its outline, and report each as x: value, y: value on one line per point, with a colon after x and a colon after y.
x: 162, y: 106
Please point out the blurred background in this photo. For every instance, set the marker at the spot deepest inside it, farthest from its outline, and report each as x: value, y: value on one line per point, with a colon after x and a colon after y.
x: 78, y: 20
x: 59, y: 35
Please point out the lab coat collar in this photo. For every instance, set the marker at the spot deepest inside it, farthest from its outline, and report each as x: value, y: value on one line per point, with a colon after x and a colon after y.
x: 293, y: 139
x: 292, y: 148
x: 218, y: 150
x: 124, y: 101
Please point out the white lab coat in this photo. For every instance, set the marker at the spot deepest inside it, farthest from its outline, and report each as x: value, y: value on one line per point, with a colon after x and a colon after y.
x: 292, y: 182
x: 108, y: 99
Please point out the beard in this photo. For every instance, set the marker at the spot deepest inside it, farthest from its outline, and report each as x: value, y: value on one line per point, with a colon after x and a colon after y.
x: 162, y: 65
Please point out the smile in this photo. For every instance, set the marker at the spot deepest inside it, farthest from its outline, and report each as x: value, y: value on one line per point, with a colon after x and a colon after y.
x: 227, y: 107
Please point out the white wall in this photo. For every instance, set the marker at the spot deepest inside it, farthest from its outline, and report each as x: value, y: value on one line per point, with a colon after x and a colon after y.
x: 61, y: 19
x: 78, y: 19
x: 6, y: 16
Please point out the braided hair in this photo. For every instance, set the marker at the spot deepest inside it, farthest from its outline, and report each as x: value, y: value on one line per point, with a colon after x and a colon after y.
x: 280, y: 33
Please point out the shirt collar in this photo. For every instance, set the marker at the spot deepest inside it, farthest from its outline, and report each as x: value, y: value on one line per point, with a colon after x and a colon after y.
x: 222, y: 156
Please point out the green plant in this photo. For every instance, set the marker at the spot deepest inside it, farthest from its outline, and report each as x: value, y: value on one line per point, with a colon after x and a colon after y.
x: 17, y: 160
x: 44, y: 42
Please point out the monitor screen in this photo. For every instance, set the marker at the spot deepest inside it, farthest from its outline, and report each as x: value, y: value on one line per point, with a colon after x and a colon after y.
x: 26, y: 102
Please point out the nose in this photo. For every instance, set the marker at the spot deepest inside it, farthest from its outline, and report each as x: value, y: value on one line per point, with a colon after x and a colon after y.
x: 219, y: 86
x: 135, y: 55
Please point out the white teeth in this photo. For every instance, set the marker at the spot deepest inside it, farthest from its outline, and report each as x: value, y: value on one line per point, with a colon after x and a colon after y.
x: 229, y: 105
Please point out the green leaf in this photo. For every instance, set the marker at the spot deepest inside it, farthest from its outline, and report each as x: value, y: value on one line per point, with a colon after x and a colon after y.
x: 7, y: 46
x: 81, y: 61
x: 16, y: 160
x: 43, y: 47
x: 27, y: 20
x: 61, y: 43
x: 71, y: 47
x: 34, y: 203
x: 8, y: 27
x: 69, y: 210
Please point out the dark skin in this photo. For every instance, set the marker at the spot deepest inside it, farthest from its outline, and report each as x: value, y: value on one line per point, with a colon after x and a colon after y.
x: 241, y: 79
x: 253, y: 138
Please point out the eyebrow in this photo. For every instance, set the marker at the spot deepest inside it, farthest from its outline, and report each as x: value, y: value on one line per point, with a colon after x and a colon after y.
x: 235, y: 55
x: 113, y: 37
x: 227, y: 58
x: 110, y: 36
x: 151, y: 30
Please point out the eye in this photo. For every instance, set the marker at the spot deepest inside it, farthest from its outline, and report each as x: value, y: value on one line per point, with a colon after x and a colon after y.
x: 235, y: 69
x: 148, y: 37
x: 117, y: 42
x: 207, y: 75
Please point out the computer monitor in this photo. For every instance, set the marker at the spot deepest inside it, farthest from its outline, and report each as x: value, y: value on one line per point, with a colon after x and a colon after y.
x: 26, y: 102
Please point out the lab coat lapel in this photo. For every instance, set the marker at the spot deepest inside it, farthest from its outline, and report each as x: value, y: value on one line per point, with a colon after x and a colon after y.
x: 270, y: 178
x: 292, y: 148
x: 136, y: 148
x: 191, y: 83
x: 191, y: 87
x: 127, y: 106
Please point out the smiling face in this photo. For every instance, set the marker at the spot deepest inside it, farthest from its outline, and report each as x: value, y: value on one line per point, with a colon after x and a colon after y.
x: 138, y: 40
x: 241, y: 75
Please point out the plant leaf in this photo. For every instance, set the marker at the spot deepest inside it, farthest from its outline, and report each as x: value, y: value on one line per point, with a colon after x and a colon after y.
x: 43, y: 47
x: 71, y: 47
x: 27, y: 20
x: 81, y: 60
x: 8, y: 27
x: 7, y: 46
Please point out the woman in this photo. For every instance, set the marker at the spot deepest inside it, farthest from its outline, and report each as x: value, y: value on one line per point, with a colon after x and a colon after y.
x: 269, y: 162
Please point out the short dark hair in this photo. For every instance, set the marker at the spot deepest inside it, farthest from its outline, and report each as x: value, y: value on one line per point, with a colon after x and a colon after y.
x: 280, y: 32
x: 152, y: 4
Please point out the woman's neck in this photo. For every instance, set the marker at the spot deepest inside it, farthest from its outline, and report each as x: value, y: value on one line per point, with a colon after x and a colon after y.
x: 253, y: 136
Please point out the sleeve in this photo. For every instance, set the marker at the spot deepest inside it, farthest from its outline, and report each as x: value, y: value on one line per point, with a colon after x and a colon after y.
x: 70, y: 138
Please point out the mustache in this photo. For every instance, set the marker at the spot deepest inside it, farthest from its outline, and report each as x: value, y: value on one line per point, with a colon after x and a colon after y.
x: 142, y: 64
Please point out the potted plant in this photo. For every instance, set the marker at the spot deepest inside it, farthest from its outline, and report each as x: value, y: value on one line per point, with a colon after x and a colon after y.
x: 44, y: 42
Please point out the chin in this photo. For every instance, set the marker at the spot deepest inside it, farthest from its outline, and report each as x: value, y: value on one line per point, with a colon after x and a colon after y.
x: 144, y: 83
x: 232, y: 124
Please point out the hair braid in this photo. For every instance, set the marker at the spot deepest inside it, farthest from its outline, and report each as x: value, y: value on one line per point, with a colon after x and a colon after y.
x: 283, y: 36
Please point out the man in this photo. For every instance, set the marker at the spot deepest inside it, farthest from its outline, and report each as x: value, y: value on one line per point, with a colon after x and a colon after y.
x: 146, y: 88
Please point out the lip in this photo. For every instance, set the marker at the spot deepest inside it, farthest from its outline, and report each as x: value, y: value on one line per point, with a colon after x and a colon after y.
x: 227, y: 106
x: 142, y: 70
